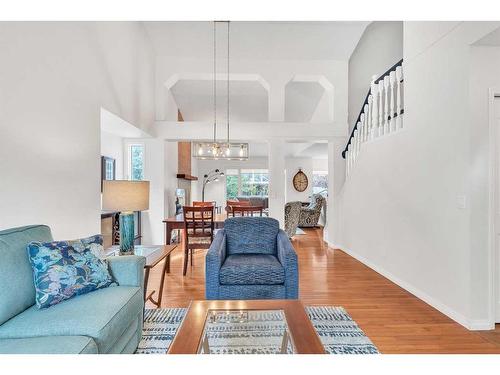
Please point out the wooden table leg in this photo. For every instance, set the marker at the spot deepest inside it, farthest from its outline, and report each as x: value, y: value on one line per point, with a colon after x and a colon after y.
x: 162, y: 282
x: 166, y: 266
x: 167, y: 261
x: 168, y: 234
x: 146, y: 279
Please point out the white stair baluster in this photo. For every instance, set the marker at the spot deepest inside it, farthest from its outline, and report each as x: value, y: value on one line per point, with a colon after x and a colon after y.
x: 363, y: 126
x: 347, y: 162
x: 399, y: 77
x: 392, y: 123
x: 375, y: 96
x: 349, y: 158
x: 386, y: 104
x: 381, y: 108
x: 357, y: 134
x: 369, y: 118
x: 367, y: 122
x: 353, y: 143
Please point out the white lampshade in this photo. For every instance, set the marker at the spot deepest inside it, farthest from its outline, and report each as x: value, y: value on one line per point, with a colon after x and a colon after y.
x: 118, y: 195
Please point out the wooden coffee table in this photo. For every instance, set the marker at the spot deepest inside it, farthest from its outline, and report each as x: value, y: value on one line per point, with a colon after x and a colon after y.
x: 191, y: 336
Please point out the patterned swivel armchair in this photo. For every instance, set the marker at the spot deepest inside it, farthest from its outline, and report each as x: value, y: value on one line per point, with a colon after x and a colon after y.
x: 292, y: 215
x: 309, y: 216
x: 251, y: 258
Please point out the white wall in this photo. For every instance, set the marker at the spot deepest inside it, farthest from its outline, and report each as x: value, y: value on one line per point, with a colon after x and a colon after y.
x: 380, y: 47
x: 398, y: 209
x: 54, y: 79
x: 320, y: 164
x: 485, y: 74
x: 112, y: 147
x: 292, y: 166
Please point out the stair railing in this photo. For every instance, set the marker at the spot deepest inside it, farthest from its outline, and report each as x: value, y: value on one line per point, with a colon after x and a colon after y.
x: 381, y: 113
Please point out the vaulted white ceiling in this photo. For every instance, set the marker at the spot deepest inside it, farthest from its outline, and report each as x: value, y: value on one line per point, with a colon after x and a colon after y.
x: 492, y: 39
x: 259, y: 40
x: 280, y: 43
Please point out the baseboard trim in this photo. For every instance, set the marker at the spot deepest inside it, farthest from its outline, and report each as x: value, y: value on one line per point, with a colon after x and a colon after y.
x: 441, y: 307
x: 481, y: 325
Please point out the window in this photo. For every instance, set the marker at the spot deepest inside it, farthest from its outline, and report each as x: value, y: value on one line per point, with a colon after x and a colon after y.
x: 136, y: 162
x: 232, y: 183
x: 254, y: 182
x: 320, y: 182
x: 247, y: 182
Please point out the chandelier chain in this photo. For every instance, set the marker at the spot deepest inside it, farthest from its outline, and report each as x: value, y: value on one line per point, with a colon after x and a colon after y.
x: 228, y: 82
x: 215, y: 82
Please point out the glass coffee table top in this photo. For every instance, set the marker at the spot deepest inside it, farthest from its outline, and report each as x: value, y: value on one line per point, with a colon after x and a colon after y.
x: 246, y: 332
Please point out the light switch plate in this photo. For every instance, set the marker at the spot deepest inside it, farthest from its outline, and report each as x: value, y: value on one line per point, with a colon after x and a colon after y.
x: 461, y: 202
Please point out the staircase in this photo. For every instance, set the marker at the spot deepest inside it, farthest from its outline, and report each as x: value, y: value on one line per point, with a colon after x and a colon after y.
x: 381, y: 113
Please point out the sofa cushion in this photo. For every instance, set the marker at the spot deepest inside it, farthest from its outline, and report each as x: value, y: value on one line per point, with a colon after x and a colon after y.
x: 103, y: 315
x: 17, y: 291
x: 251, y: 235
x: 251, y: 269
x: 64, y: 269
x: 49, y: 345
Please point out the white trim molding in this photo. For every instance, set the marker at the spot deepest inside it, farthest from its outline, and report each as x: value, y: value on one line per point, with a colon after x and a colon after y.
x: 493, y: 277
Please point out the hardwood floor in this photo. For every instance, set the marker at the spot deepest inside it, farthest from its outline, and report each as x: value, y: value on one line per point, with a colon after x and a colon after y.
x: 395, y: 320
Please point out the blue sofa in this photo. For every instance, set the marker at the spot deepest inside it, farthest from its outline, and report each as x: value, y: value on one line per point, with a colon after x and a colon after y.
x: 108, y: 320
x: 251, y: 258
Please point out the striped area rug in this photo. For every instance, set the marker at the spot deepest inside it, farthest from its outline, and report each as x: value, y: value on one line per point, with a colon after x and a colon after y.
x: 262, y: 333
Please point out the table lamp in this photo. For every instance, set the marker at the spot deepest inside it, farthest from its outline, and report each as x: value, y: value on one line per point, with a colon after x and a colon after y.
x: 126, y: 197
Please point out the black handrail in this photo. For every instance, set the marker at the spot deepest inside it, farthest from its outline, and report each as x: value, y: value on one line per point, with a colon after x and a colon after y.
x: 399, y: 63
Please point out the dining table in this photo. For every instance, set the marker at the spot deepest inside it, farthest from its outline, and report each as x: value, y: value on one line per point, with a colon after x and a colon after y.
x: 177, y: 222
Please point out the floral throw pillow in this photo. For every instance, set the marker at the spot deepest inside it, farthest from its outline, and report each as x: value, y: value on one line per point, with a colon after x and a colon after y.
x: 64, y: 269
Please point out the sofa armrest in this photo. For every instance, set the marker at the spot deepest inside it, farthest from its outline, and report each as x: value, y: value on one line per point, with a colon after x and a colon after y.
x: 288, y: 259
x: 215, y: 258
x: 127, y: 270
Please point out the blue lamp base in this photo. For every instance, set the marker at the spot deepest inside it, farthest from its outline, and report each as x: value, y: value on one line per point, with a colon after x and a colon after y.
x: 127, y: 233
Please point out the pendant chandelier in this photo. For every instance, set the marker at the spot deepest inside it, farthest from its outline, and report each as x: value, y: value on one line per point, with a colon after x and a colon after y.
x: 219, y: 150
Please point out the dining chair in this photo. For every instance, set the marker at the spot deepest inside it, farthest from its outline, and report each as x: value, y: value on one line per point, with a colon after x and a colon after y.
x: 198, y: 230
x: 230, y: 203
x: 204, y: 204
x: 245, y: 211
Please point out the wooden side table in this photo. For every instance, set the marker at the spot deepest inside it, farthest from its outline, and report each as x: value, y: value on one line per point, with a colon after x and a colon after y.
x: 154, y: 254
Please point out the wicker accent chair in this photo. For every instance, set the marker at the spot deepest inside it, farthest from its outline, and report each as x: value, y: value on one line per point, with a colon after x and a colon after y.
x: 309, y: 216
x: 292, y: 215
x: 251, y: 258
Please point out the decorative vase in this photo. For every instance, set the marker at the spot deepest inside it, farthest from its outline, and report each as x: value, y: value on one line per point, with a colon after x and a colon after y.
x: 126, y: 233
